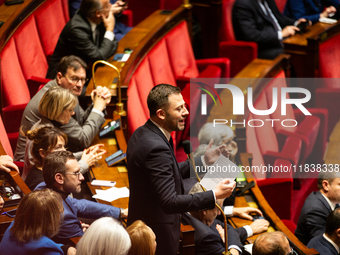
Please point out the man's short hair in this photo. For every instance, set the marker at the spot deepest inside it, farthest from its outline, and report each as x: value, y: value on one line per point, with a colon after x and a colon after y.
x: 328, y: 176
x: 158, y: 97
x: 269, y: 243
x: 71, y: 61
x: 333, y: 222
x: 88, y: 8
x: 55, y: 163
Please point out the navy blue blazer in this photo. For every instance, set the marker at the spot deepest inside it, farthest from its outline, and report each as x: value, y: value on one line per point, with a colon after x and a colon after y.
x: 320, y: 244
x: 308, y: 9
x: 312, y: 220
x: 250, y: 23
x: 156, y: 188
x: 207, y: 239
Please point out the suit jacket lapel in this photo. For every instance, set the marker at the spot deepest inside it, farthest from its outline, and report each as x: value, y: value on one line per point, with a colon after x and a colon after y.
x: 323, y: 200
x: 327, y: 244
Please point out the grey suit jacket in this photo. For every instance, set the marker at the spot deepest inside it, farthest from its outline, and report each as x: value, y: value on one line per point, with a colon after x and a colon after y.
x: 77, y: 39
x: 312, y: 220
x: 80, y: 130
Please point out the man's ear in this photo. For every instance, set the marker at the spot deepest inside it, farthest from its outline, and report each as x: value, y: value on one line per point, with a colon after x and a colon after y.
x: 59, y: 178
x: 325, y: 185
x: 98, y: 14
x: 58, y: 77
x: 338, y: 232
x: 160, y: 114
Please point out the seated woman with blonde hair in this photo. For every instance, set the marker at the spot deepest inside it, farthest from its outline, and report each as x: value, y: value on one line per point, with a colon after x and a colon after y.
x: 105, y: 236
x: 143, y: 239
x: 57, y: 107
x: 37, y: 219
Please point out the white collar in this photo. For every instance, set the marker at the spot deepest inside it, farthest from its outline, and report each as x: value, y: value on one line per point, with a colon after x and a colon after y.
x: 331, y: 241
x: 165, y: 132
x: 331, y: 204
x: 92, y: 24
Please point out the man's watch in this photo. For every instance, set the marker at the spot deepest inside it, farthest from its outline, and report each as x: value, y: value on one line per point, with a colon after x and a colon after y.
x: 121, y: 214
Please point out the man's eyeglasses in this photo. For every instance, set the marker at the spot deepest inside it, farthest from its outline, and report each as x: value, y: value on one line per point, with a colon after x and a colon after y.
x: 76, y: 173
x: 76, y: 79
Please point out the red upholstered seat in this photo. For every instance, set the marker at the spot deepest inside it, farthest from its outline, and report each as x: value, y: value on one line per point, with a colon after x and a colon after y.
x: 311, y: 129
x: 6, y: 144
x: 49, y: 24
x: 239, y: 53
x: 281, y: 6
x: 327, y: 94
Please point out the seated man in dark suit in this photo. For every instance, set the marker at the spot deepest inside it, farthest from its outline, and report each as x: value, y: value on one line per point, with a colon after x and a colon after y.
x: 329, y: 242
x: 117, y: 8
x: 318, y: 205
x: 87, y: 35
x: 209, y: 232
x: 272, y: 243
x: 260, y: 21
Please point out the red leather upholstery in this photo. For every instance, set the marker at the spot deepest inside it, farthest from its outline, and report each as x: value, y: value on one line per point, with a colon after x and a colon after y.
x: 328, y: 93
x: 50, y: 25
x: 312, y: 130
x: 239, y: 53
x: 281, y: 6
x: 24, y: 58
x: 6, y: 144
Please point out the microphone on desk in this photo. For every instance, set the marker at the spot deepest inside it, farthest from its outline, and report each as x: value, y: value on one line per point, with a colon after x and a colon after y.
x: 188, y: 150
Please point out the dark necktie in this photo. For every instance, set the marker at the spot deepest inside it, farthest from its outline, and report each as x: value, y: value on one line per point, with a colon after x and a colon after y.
x: 336, y: 206
x: 271, y: 18
x: 171, y: 143
x: 96, y: 39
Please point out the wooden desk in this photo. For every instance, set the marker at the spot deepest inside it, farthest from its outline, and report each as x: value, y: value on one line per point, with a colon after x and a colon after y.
x: 103, y: 172
x: 304, y: 49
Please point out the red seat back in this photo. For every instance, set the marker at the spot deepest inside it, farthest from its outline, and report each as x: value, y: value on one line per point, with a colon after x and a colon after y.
x: 30, y: 52
x: 4, y: 139
x: 50, y: 19
x: 13, y: 82
x: 227, y: 31
x: 180, y: 52
x: 329, y: 56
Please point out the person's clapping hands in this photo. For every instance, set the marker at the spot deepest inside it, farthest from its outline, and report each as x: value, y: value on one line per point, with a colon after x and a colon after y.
x: 101, y: 97
x: 92, y: 154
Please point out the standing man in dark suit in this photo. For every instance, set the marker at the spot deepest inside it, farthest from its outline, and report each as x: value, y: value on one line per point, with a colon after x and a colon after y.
x: 87, y: 35
x: 260, y: 21
x: 318, y: 205
x: 329, y: 242
x: 155, y: 176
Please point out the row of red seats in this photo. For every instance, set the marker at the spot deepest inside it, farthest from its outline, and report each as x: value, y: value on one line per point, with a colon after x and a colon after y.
x: 25, y: 57
x: 281, y: 146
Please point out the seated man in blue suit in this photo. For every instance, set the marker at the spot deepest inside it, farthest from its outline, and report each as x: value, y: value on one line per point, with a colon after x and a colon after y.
x: 209, y: 232
x: 318, y: 205
x: 329, y: 242
x: 62, y: 174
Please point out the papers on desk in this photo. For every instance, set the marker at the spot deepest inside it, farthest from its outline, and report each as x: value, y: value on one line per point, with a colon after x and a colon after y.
x: 328, y: 20
x: 112, y: 194
x: 222, y: 169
